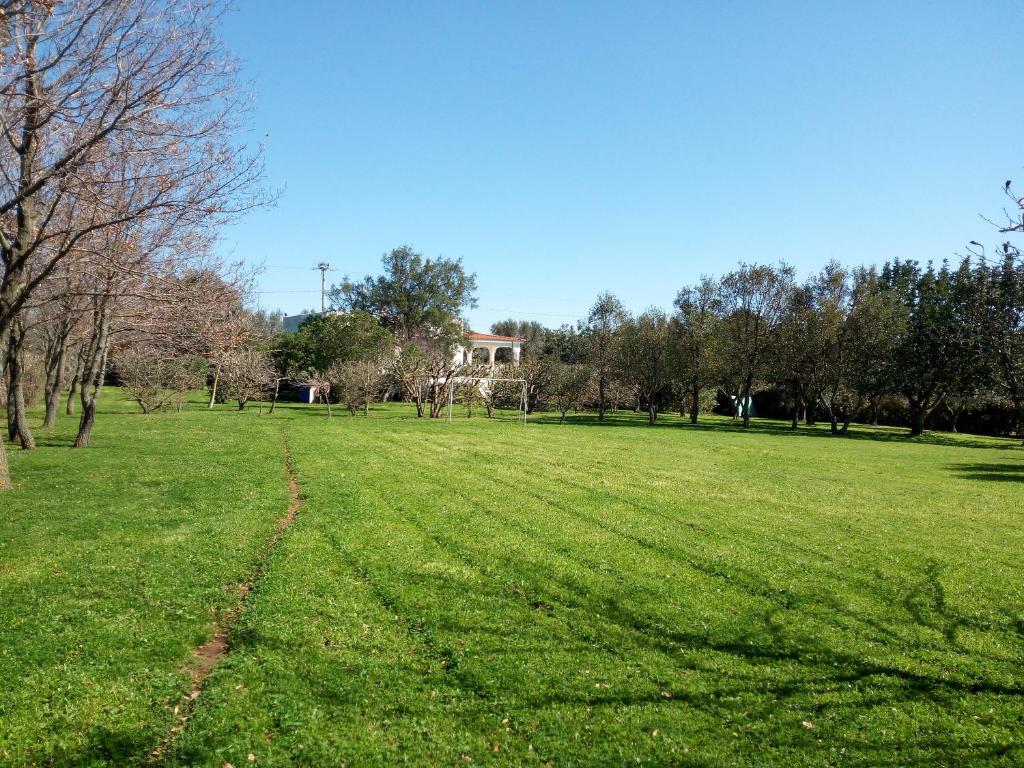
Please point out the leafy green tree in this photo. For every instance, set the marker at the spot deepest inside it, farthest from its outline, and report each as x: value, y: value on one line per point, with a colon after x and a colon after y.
x: 697, y: 319
x: 567, y: 344
x: 645, y: 351
x: 877, y: 322
x: 1004, y: 329
x: 600, y: 336
x: 534, y: 333
x: 414, y: 297
x: 831, y: 341
x: 754, y: 302
x: 568, y: 385
x: 798, y: 347
x: 939, y: 336
x: 325, y: 342
x: 420, y: 302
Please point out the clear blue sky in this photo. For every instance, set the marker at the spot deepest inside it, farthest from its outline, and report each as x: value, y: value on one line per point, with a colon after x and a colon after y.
x: 562, y: 149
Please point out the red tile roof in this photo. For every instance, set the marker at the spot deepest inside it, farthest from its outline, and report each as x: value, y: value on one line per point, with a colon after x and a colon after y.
x: 489, y: 337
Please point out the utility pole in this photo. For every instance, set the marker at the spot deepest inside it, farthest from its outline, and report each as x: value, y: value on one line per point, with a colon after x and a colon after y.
x: 323, y: 266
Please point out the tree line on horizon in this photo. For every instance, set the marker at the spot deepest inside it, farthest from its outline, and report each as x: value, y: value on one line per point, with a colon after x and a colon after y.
x: 903, y: 343
x: 897, y: 344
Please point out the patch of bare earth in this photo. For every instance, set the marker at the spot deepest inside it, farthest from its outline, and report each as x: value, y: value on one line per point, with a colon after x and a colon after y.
x: 207, y: 656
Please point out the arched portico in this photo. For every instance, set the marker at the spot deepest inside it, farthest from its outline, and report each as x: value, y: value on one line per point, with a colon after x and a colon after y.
x: 489, y: 343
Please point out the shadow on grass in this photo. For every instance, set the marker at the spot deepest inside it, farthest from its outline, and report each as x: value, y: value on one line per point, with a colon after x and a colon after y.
x: 406, y: 412
x: 1002, y: 473
x: 782, y: 429
x: 104, y: 746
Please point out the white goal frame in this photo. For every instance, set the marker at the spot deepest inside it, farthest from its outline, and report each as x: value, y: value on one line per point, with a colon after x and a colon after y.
x: 476, y: 380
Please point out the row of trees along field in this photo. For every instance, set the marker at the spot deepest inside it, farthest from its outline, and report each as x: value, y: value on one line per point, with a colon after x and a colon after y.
x: 120, y: 156
x: 903, y: 343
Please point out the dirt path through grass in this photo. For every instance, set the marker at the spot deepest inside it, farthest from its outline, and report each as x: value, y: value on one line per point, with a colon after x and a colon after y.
x: 207, y: 656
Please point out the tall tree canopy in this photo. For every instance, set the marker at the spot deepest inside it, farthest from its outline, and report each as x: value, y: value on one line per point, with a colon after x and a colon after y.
x: 534, y: 333
x: 754, y: 302
x: 419, y: 301
x: 645, y: 355
x: 697, y: 320
x: 414, y: 297
x: 600, y: 336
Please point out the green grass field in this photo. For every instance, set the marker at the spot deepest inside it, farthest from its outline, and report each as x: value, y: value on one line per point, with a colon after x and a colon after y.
x: 486, y: 593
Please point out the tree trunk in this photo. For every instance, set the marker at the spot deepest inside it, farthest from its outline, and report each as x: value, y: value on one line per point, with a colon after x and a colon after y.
x: 746, y: 402
x: 53, y: 404
x: 69, y: 407
x: 88, y: 419
x: 798, y: 404
x: 918, y: 414
x: 5, y: 471
x: 213, y: 388
x: 652, y: 412
x: 833, y: 416
x: 326, y: 397
x: 94, y: 370
x: 955, y: 413
x: 273, y: 402
x: 366, y: 392
x: 56, y: 362
x: 600, y: 398
x: 17, y: 420
x: 695, y: 405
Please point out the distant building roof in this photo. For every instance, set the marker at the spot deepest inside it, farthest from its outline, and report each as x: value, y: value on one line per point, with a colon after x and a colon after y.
x: 291, y: 323
x: 489, y: 337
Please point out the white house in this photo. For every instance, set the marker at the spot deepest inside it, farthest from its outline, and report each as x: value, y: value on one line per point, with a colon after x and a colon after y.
x: 489, y: 342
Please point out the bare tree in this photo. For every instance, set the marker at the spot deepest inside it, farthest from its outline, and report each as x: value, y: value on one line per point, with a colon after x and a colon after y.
x: 111, y: 110
x: 58, y: 327
x: 155, y: 376
x: 248, y: 374
x: 356, y: 383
